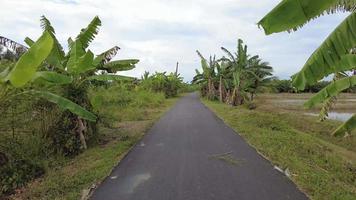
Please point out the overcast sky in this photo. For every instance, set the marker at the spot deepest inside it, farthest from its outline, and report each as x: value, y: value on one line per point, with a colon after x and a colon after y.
x: 162, y: 32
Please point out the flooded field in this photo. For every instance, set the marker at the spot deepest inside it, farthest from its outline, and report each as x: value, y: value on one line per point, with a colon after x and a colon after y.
x: 343, y: 117
x: 341, y: 111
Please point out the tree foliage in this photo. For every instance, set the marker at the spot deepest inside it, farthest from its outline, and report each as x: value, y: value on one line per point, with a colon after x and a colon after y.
x: 335, y: 55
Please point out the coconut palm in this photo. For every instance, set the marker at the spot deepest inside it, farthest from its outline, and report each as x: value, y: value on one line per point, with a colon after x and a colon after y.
x: 335, y: 55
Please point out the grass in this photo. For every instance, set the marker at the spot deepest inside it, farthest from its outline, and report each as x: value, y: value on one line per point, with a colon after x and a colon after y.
x: 322, y: 166
x: 72, y: 176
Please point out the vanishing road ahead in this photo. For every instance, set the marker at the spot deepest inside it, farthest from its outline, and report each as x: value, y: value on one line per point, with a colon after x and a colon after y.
x: 190, y: 154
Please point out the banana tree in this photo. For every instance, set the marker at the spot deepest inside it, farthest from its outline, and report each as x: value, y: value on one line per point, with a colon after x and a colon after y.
x: 238, y: 64
x: 222, y: 72
x: 14, y: 81
x: 335, y: 55
x: 207, y: 77
x: 80, y: 64
x: 260, y: 77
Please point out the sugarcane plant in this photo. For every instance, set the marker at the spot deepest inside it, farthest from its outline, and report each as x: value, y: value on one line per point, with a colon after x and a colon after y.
x: 82, y: 68
x: 336, y: 55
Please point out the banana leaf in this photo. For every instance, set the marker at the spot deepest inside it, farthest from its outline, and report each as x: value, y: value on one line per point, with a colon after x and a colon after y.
x: 110, y: 77
x: 331, y: 57
x: 52, y: 77
x: 292, y: 14
x: 28, y: 63
x: 120, y: 65
x: 85, y: 63
x: 347, y: 127
x: 331, y: 90
x: 66, y: 104
x: 29, y: 41
x: 87, y: 34
x: 76, y: 51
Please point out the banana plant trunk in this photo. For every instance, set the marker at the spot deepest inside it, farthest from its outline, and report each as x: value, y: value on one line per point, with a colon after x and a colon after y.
x: 221, y: 95
x: 236, y: 97
x: 211, y: 89
x: 81, y: 129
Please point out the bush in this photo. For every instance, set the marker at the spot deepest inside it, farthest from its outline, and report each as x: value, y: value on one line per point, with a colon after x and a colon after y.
x: 24, y: 161
x: 121, y: 102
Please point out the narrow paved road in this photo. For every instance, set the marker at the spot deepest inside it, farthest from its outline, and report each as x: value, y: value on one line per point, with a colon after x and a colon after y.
x: 190, y: 154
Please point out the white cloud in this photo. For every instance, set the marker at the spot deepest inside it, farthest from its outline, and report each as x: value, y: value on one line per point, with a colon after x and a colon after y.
x: 161, y: 32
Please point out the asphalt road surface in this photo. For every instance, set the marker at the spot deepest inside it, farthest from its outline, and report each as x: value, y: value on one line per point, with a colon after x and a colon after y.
x: 190, y: 154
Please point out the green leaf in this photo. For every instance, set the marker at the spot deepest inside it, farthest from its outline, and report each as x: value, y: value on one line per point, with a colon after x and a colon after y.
x: 76, y: 51
x: 120, y: 65
x: 346, y: 127
x: 29, y: 41
x: 331, y: 57
x: 27, y: 65
x: 331, y: 90
x: 292, y: 14
x: 85, y: 63
x: 57, y: 54
x: 346, y: 63
x: 110, y: 77
x: 66, y: 104
x: 88, y: 34
x: 53, y: 77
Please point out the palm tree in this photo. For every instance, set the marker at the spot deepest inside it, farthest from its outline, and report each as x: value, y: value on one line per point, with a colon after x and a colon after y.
x: 335, y: 55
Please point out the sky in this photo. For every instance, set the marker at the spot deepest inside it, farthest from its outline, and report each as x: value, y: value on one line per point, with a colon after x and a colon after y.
x: 163, y: 32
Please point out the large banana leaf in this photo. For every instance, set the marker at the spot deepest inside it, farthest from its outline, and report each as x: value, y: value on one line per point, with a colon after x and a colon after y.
x: 110, y: 77
x: 66, y: 104
x: 331, y: 56
x: 27, y: 65
x: 331, y: 90
x: 120, y: 65
x: 52, y: 77
x: 347, y: 127
x: 292, y: 14
x: 85, y: 63
x: 57, y: 54
x: 88, y: 34
x: 76, y: 51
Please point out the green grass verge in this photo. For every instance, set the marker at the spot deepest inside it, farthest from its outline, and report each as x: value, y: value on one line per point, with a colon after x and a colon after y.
x: 69, y: 179
x: 322, y: 168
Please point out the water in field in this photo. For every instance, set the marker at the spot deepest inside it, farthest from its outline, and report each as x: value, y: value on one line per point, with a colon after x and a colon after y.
x: 335, y: 116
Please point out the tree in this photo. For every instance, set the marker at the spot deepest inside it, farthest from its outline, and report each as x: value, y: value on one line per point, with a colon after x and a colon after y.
x: 82, y: 68
x: 240, y: 72
x: 13, y: 80
x: 336, y: 54
x: 207, y: 77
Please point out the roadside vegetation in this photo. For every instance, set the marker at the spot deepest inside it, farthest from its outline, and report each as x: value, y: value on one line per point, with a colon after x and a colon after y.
x: 279, y: 117
x: 321, y: 165
x: 68, y: 117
